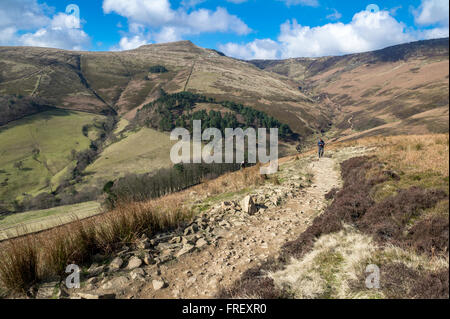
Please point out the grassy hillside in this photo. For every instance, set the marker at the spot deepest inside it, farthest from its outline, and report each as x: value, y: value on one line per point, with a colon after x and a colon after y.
x: 138, y: 152
x: 397, y: 90
x: 50, y: 74
x: 38, y: 148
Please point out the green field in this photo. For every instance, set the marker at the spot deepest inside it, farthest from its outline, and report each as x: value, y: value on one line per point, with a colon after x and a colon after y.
x: 139, y: 152
x: 55, y: 134
x: 32, y: 221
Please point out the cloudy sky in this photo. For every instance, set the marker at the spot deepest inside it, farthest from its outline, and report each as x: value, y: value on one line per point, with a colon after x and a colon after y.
x: 248, y: 29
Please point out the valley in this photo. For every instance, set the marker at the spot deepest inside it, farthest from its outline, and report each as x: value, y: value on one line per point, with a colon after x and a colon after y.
x: 86, y: 174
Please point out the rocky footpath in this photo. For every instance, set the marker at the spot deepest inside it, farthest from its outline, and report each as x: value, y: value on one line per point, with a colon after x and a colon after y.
x: 219, y: 244
x: 142, y: 261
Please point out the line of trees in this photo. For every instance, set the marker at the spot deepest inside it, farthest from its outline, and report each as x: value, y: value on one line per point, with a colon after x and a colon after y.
x: 141, y: 187
x: 176, y: 110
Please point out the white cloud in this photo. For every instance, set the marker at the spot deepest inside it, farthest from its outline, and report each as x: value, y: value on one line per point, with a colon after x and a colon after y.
x: 8, y: 35
x: 22, y: 14
x: 153, y: 13
x: 25, y: 22
x: 168, y: 34
x: 191, y: 3
x: 61, y: 33
x: 367, y: 31
x: 131, y: 43
x: 434, y: 33
x: 166, y: 24
x: 433, y: 15
x: 70, y: 39
x: 432, y: 12
x: 258, y: 49
x: 204, y: 20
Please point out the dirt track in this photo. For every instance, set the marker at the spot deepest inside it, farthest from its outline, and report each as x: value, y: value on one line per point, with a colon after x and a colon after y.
x: 234, y: 240
x: 246, y: 241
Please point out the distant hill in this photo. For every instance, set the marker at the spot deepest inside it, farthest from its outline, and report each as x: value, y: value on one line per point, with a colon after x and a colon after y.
x: 400, y: 89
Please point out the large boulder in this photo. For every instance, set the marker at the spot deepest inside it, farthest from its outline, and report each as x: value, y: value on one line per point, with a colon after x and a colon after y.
x: 248, y: 205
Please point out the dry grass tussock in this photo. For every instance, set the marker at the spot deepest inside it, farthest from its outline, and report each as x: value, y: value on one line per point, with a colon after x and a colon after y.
x: 412, y: 153
x: 230, y: 182
x: 335, y: 267
x: 327, y: 270
x: 37, y: 257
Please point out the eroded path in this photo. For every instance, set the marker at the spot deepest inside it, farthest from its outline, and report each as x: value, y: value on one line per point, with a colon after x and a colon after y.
x: 244, y: 241
x: 224, y: 241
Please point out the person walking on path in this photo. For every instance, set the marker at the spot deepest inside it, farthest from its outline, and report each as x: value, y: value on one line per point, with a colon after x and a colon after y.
x: 321, y: 146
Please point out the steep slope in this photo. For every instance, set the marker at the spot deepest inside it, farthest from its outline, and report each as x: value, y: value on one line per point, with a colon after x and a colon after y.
x: 400, y: 89
x: 106, y: 82
x: 51, y: 74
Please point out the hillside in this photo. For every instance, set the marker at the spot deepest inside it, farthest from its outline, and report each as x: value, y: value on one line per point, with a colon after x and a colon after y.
x: 397, y: 90
x: 121, y: 82
x: 37, y: 152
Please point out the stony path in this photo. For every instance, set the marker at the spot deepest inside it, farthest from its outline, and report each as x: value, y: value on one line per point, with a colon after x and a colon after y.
x: 245, y: 241
x: 219, y: 245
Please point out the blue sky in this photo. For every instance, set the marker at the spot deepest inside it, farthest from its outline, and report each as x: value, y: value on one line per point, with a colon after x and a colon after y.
x: 240, y: 28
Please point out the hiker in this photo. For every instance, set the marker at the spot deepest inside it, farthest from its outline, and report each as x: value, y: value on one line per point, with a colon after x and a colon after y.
x: 321, y: 145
